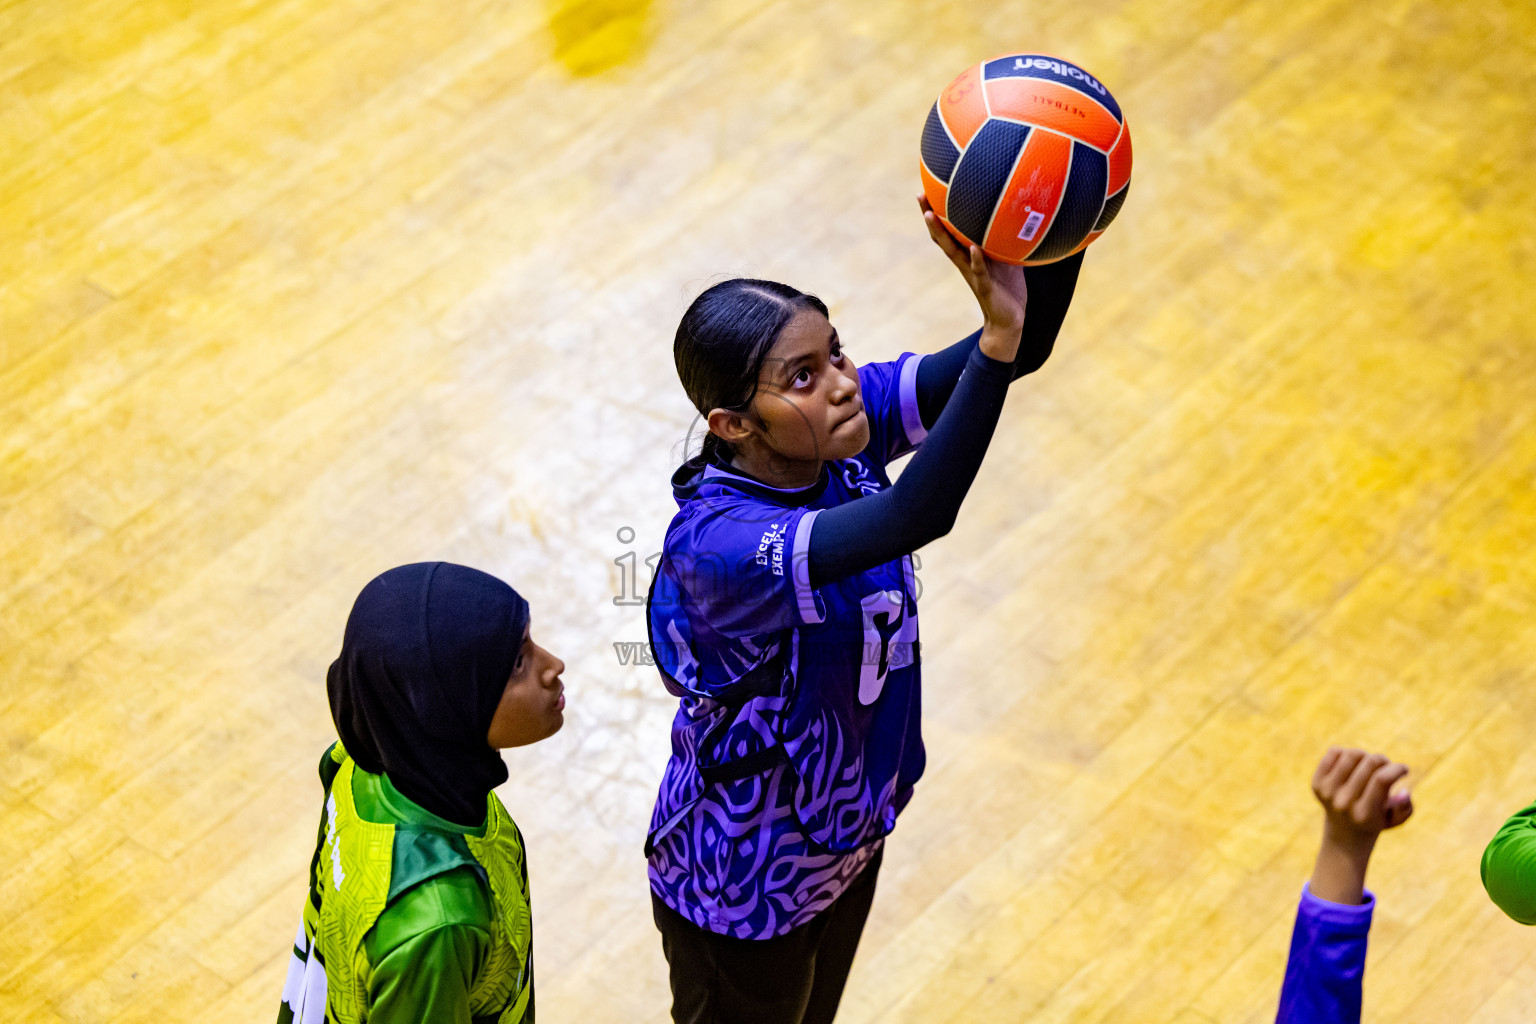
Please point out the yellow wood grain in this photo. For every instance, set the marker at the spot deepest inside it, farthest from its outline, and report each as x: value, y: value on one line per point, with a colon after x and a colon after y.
x: 293, y: 292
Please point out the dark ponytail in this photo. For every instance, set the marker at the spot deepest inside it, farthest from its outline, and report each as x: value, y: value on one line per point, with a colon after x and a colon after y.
x: 722, y: 342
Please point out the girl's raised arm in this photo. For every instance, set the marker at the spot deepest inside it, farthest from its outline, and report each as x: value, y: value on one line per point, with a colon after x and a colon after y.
x: 922, y: 505
x: 1050, y: 293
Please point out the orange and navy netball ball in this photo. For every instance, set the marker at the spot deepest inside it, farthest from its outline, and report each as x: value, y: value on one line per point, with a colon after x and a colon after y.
x: 1027, y: 156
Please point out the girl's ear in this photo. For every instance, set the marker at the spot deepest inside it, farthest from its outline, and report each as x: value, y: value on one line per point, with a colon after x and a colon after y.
x: 731, y: 427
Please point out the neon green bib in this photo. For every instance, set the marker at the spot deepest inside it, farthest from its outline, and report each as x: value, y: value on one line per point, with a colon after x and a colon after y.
x: 352, y: 874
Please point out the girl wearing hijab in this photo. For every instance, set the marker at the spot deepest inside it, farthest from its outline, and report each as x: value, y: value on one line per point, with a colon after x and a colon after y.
x: 418, y: 901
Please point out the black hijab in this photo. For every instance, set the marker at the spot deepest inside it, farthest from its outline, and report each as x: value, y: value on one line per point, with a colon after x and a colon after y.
x: 427, y: 653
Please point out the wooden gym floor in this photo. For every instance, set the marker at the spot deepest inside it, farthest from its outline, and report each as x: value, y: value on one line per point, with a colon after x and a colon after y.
x: 293, y: 291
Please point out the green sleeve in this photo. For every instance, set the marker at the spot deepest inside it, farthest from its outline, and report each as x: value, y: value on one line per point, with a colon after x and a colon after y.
x: 1509, y: 867
x: 427, y: 949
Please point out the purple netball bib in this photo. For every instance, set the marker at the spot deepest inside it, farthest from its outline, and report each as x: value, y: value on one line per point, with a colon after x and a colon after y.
x: 799, y: 725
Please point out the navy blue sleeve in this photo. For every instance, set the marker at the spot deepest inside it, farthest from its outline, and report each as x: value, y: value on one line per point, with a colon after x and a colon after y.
x: 923, y: 503
x: 1050, y: 293
x: 1327, y: 962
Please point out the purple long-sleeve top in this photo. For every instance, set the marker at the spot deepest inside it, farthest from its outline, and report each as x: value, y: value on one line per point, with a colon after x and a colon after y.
x: 1327, y: 962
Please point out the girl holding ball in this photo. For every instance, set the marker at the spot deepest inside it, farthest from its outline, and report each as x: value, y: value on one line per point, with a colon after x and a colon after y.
x: 783, y: 613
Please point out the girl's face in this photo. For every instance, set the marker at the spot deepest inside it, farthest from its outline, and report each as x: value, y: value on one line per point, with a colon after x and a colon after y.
x: 533, y: 704
x: 807, y: 404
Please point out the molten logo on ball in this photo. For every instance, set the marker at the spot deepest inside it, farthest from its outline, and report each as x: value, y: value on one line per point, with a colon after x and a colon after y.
x: 1070, y: 71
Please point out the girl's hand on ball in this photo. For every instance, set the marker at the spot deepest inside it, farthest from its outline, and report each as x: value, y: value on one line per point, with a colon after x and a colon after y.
x: 999, y: 288
x: 1008, y: 288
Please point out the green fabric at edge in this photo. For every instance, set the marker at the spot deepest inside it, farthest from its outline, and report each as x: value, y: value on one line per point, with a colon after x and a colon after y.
x: 1509, y: 866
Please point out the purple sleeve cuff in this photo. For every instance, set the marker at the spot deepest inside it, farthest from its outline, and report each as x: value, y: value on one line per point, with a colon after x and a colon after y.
x: 800, y: 569
x: 1326, y: 966
x: 1341, y: 917
x: 906, y: 390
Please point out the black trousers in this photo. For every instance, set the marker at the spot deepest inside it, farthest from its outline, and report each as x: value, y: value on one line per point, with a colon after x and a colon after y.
x: 795, y: 978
